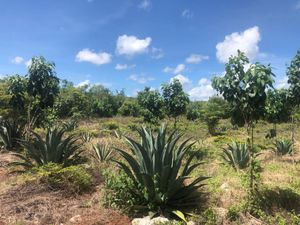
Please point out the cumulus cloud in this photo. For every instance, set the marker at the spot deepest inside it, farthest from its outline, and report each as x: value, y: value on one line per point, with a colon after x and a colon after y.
x: 84, y: 83
x: 203, y: 91
x: 182, y: 79
x: 142, y: 78
x: 246, y: 41
x: 177, y: 70
x: 145, y: 4
x: 282, y: 83
x: 187, y: 14
x: 87, y: 55
x: 131, y: 45
x: 157, y: 53
x: 17, y: 60
x: 196, y: 58
x: 124, y: 66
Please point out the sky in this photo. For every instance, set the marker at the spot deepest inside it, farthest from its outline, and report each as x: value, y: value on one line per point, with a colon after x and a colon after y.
x: 130, y: 44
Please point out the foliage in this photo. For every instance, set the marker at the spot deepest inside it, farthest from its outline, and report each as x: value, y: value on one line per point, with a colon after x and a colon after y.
x: 283, y: 147
x: 130, y: 108
x: 10, y: 133
x: 152, y: 105
x: 214, y: 110
x: 237, y: 155
x: 276, y: 109
x: 102, y: 153
x: 194, y: 110
x: 245, y: 89
x: 54, y: 148
x: 118, y: 192
x: 156, y: 168
x: 293, y: 74
x: 175, y: 99
x: 74, y: 179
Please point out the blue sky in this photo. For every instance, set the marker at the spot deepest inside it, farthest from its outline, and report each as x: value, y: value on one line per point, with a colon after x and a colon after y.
x: 131, y: 44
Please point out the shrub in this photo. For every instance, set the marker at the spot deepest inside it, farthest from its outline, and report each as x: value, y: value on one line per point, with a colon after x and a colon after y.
x: 118, y: 190
x: 130, y: 108
x: 156, y: 167
x: 237, y: 155
x: 54, y: 148
x: 10, y: 133
x: 74, y: 179
x: 283, y: 147
x: 102, y: 153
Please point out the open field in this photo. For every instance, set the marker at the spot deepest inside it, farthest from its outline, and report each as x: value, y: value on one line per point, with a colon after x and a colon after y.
x: 26, y: 200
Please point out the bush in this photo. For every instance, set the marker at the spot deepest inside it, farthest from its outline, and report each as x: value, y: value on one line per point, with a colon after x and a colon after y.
x: 130, y: 108
x: 156, y: 167
x: 74, y: 179
x: 118, y: 191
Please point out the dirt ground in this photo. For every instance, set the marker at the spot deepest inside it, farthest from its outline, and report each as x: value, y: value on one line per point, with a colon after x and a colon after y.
x: 28, y: 204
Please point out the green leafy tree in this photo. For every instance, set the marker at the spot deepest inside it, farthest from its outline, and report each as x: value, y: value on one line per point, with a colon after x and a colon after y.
x: 293, y: 74
x: 130, y: 108
x: 215, y: 109
x: 152, y: 105
x: 245, y: 89
x: 276, y: 109
x: 175, y: 99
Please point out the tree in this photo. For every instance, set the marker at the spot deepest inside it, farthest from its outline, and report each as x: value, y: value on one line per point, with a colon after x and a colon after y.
x: 152, y: 105
x: 293, y: 74
x: 175, y: 99
x: 276, y: 110
x: 215, y: 109
x: 130, y: 108
x: 35, y: 93
x: 246, y: 90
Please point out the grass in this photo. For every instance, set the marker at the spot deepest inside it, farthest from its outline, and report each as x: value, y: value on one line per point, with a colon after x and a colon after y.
x: 225, y: 189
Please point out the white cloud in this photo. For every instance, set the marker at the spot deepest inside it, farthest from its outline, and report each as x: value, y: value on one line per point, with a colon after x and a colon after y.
x: 282, y: 83
x: 124, y: 66
x: 157, y: 53
x: 145, y: 4
x: 246, y: 41
x: 203, y: 91
x: 87, y: 55
x: 187, y: 14
x: 17, y: 60
x: 142, y: 78
x: 131, y: 45
x: 84, y: 83
x: 28, y: 63
x: 178, y: 69
x: 196, y: 58
x: 182, y: 79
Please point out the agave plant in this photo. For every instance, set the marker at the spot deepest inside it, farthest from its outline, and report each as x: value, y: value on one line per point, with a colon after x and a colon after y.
x: 283, y: 147
x: 86, y: 137
x: 70, y: 125
x: 237, y: 155
x: 103, y: 153
x: 156, y: 166
x: 54, y: 148
x: 10, y: 133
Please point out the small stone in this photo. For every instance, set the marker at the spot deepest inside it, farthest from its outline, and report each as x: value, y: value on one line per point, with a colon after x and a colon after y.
x: 141, y: 221
x: 75, y: 219
x: 225, y: 186
x: 158, y: 221
x: 191, y: 223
